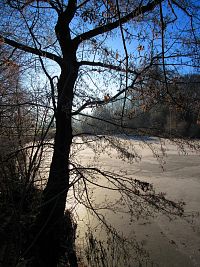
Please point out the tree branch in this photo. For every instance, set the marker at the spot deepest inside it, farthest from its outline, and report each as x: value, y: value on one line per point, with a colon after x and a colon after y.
x: 110, y: 26
x: 82, y: 4
x: 25, y: 104
x: 114, y: 98
x: 31, y: 50
x: 104, y: 65
x: 70, y: 10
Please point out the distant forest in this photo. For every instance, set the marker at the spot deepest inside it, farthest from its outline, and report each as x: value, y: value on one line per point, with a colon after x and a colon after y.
x: 146, y: 110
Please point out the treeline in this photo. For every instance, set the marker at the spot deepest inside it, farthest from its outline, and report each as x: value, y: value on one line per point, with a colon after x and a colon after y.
x: 149, y: 109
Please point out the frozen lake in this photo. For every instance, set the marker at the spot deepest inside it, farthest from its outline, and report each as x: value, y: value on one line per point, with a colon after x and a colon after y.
x: 170, y: 169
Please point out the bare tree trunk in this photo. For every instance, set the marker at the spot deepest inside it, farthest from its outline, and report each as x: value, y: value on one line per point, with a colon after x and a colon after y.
x: 50, y: 222
x: 50, y: 226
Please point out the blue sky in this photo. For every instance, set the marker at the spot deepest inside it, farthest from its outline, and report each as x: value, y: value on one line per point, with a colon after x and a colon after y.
x: 143, y: 34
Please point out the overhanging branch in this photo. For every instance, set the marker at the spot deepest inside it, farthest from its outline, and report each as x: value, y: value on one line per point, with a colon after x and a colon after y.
x: 31, y: 50
x: 104, y: 65
x: 113, y: 25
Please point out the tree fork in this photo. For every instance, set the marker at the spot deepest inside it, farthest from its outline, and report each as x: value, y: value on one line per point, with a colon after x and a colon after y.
x: 50, y: 222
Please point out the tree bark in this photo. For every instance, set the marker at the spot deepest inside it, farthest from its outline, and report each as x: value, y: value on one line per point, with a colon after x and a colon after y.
x: 51, y: 225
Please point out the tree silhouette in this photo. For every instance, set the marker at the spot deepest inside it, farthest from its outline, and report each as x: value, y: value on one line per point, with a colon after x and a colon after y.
x: 80, y: 37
